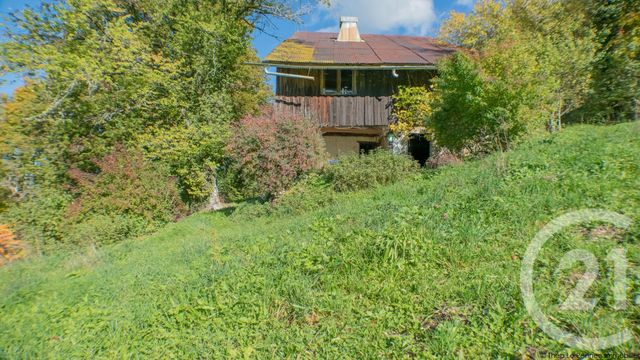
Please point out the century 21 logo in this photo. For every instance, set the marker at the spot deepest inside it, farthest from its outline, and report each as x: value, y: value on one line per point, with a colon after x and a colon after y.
x: 576, y: 300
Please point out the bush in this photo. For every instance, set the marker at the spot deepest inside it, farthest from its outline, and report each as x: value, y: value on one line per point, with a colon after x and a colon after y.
x: 311, y: 193
x: 249, y: 210
x: 10, y: 248
x: 354, y: 172
x: 5, y: 199
x: 136, y: 195
x: 5, y: 194
x: 191, y: 153
x: 412, y: 108
x: 442, y: 157
x: 39, y: 218
x: 269, y: 153
x: 105, y: 229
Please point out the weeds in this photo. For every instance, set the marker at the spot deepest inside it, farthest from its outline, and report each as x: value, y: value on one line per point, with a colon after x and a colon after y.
x: 424, y: 268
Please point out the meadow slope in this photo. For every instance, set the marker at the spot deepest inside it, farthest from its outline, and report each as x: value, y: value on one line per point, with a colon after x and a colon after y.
x: 425, y: 268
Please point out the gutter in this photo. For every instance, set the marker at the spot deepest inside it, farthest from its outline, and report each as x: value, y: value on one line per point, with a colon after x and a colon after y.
x: 345, y: 66
x: 293, y: 76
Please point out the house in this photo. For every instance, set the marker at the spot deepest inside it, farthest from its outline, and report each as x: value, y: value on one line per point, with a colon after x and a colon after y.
x: 345, y: 81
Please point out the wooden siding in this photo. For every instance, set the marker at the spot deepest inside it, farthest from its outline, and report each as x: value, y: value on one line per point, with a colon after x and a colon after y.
x: 338, y: 111
x: 370, y: 106
x: 369, y: 82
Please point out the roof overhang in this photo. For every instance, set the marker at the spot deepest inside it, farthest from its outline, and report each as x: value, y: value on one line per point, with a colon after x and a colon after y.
x: 344, y: 66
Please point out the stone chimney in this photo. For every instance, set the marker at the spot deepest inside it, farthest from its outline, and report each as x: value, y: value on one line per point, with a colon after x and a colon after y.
x: 349, y: 29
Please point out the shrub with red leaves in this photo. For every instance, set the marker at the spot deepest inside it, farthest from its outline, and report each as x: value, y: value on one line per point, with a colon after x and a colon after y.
x: 269, y: 153
x: 127, y: 185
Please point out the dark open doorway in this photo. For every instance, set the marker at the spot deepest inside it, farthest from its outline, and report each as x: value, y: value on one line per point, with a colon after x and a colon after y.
x: 419, y: 148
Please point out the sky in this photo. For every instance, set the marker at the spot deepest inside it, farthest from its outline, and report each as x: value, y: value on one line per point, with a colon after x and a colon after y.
x: 402, y: 17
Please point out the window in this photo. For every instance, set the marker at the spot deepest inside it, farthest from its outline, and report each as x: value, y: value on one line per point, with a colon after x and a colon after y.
x: 338, y: 82
x: 330, y: 81
x: 347, y: 82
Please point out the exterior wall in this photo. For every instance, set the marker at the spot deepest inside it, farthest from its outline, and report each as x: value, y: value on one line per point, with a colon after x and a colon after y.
x: 368, y: 82
x: 370, y: 106
x: 342, y: 144
x: 338, y: 111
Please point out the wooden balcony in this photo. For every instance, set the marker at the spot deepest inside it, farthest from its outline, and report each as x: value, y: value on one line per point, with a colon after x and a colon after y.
x: 338, y: 111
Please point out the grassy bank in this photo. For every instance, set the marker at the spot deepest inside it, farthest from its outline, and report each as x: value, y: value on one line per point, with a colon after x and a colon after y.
x: 429, y: 267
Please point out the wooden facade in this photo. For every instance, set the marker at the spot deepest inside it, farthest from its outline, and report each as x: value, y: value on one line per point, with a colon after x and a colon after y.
x: 338, y: 111
x: 370, y: 105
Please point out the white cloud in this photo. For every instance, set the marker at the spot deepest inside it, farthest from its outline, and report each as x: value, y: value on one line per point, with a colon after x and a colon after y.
x: 415, y: 17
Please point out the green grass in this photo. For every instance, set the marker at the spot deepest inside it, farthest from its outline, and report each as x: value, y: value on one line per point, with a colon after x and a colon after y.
x: 424, y: 268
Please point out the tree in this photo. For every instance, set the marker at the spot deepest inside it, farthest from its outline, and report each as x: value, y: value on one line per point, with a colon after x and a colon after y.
x: 165, y: 77
x: 26, y: 146
x: 616, y: 72
x: 112, y: 71
x: 472, y: 111
x: 542, y: 50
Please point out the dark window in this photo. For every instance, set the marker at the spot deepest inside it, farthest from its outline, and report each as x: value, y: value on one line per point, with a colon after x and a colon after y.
x: 331, y: 81
x: 339, y: 82
x: 367, y: 147
x: 346, y: 82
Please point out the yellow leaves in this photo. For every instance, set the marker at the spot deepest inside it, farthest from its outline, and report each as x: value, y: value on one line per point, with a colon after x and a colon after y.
x: 541, y: 50
x: 412, y: 109
x: 14, y: 112
x: 450, y: 31
x: 473, y: 29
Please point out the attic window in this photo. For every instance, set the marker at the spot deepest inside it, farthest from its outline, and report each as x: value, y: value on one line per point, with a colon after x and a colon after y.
x: 339, y: 82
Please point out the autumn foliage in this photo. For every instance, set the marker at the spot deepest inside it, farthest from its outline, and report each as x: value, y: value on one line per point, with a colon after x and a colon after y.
x: 126, y: 184
x: 10, y: 247
x: 270, y: 152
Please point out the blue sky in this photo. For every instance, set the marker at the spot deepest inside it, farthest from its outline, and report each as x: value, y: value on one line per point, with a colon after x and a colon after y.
x: 405, y: 17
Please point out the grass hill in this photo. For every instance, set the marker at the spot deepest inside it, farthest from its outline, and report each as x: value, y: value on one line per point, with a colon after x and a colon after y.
x: 425, y: 268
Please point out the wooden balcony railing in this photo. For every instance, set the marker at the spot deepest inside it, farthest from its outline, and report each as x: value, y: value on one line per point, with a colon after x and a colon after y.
x: 338, y: 111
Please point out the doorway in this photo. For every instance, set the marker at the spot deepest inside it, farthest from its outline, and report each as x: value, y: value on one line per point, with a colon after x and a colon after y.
x: 419, y: 148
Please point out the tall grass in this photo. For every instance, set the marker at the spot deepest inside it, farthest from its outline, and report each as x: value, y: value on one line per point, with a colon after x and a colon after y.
x: 423, y: 268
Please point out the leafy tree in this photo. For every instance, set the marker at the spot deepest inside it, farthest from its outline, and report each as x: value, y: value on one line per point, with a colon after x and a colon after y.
x: 472, y: 111
x: 5, y: 194
x: 112, y: 71
x: 616, y: 73
x: 542, y: 50
x: 25, y: 145
x: 165, y: 77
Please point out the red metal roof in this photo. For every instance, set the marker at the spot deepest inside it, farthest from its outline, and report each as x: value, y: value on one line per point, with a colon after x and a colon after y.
x: 322, y: 48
